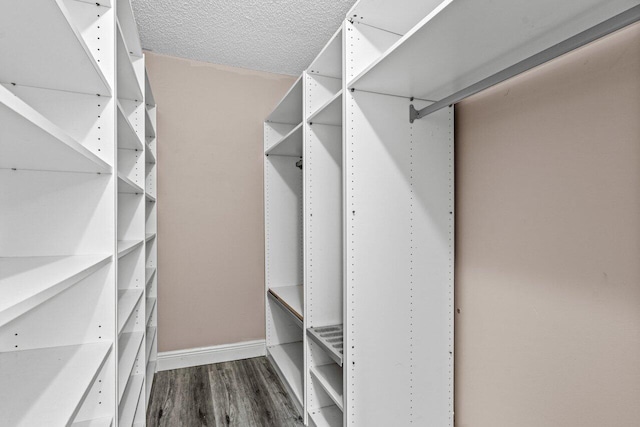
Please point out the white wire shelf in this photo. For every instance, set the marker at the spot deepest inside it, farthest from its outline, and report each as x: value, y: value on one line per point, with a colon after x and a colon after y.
x: 31, y: 141
x: 60, y: 377
x: 26, y: 282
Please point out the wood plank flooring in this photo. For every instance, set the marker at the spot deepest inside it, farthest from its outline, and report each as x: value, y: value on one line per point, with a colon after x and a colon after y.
x: 244, y: 393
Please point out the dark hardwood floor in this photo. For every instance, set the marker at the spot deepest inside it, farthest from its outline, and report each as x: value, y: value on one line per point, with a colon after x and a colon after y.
x: 244, y: 393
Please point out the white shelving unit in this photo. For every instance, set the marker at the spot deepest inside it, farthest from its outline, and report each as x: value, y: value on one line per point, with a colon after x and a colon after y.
x: 366, y: 235
x: 75, y: 243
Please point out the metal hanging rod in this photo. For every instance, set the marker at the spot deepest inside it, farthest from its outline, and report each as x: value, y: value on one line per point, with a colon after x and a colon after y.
x: 609, y: 26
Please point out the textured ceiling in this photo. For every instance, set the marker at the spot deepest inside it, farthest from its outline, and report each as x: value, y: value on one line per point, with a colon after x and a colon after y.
x: 279, y: 36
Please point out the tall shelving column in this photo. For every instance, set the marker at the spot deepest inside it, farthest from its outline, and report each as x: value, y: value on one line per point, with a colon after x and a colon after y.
x: 131, y: 219
x: 323, y: 217
x: 151, y: 266
x: 284, y: 299
x: 57, y: 214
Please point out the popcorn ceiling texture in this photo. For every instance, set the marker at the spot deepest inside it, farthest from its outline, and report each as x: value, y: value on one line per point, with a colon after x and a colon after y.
x: 278, y: 36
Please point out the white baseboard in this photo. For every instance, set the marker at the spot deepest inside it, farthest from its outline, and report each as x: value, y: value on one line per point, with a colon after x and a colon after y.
x: 206, y: 355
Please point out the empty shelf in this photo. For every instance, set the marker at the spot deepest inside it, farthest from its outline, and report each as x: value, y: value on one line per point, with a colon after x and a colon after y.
x: 291, y: 297
x: 289, y: 145
x: 31, y: 141
x: 330, y: 379
x: 329, y: 60
x: 98, y: 422
x: 129, y: 27
x: 129, y: 403
x: 329, y: 416
x: 149, y: 236
x: 128, y: 347
x: 330, y: 339
x: 150, y: 130
x: 148, y: 93
x: 60, y: 59
x: 127, y: 301
x: 148, y: 274
x: 289, y: 109
x: 26, y: 282
x: 288, y: 360
x: 151, y: 337
x: 149, y: 198
x: 60, y: 377
x: 151, y: 304
x: 151, y: 370
x: 128, y: 85
x: 125, y: 185
x: 127, y: 135
x: 149, y: 157
x: 463, y: 42
x: 127, y: 246
x: 330, y: 113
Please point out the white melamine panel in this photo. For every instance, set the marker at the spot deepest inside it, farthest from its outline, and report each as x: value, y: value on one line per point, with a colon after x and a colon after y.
x: 149, y: 275
x: 63, y: 53
x: 129, y: 345
x: 26, y: 282
x: 150, y: 158
x: 125, y: 185
x: 127, y: 246
x: 150, y: 306
x: 46, y: 386
x: 330, y: 379
x: 274, y: 132
x: 289, y: 145
x: 99, y: 422
x: 288, y: 359
x: 100, y: 402
x: 127, y: 135
x: 292, y: 297
x: 363, y: 45
x: 467, y: 41
x: 329, y: 416
x: 129, y: 28
x: 329, y: 60
x: 150, y: 340
x: 151, y: 370
x: 149, y: 100
x: 330, y: 113
x: 391, y: 16
x: 128, y: 84
x: 149, y: 236
x: 150, y: 128
x: 399, y: 273
x: 129, y: 403
x: 289, y: 109
x: 86, y: 118
x: 324, y: 215
x: 53, y: 213
x: 319, y: 90
x: 131, y: 166
x: 31, y: 141
x: 127, y: 302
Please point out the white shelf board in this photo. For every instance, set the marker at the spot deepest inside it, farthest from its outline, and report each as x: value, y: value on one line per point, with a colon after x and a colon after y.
x: 47, y: 386
x: 149, y: 156
x: 148, y: 92
x: 288, y: 359
x: 98, y: 422
x: 128, y: 86
x: 129, y: 346
x: 388, y: 16
x: 465, y: 41
x: 26, y: 282
x: 151, y: 370
x: 129, y: 403
x: 292, y: 297
x: 149, y: 129
x: 149, y: 272
x: 149, y: 197
x: 125, y: 185
x: 58, y: 59
x: 329, y: 60
x: 289, y: 109
x: 31, y: 141
x: 150, y: 305
x: 289, y: 145
x: 330, y: 113
x: 330, y: 379
x: 127, y: 136
x: 329, y: 416
x: 151, y: 337
x: 129, y: 28
x: 127, y: 246
x: 149, y: 236
x: 127, y: 301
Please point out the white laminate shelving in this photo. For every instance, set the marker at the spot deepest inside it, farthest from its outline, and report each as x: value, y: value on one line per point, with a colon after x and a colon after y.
x: 330, y: 378
x: 328, y: 416
x: 59, y: 376
x: 127, y: 136
x: 289, y: 145
x: 129, y: 402
x: 127, y: 302
x: 289, y: 109
x: 98, y: 422
x: 291, y: 298
x: 289, y: 362
x: 128, y: 83
x: 129, y: 346
x: 125, y: 185
x: 150, y: 306
x: 127, y: 246
x: 330, y: 113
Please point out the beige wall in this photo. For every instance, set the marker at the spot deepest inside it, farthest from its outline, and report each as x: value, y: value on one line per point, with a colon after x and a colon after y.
x: 210, y: 210
x: 548, y: 244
